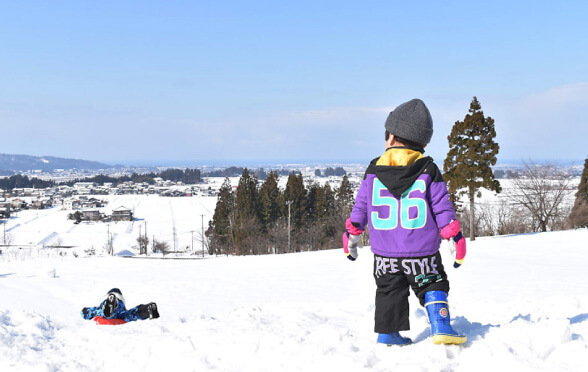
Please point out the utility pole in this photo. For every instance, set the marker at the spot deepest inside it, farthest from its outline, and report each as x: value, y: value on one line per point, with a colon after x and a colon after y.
x: 140, y: 244
x: 146, y: 240
x: 289, y: 203
x: 202, y: 240
x: 192, y: 240
x: 4, y: 224
x: 108, y: 242
x: 174, y: 238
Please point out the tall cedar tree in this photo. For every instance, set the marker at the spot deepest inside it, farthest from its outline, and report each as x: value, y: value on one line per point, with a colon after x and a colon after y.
x: 344, y: 196
x: 296, y: 194
x: 269, y: 196
x: 246, y: 197
x: 579, y: 215
x: 326, y: 211
x: 246, y: 211
x: 472, y: 152
x: 312, y: 192
x: 323, y: 205
x: 221, y: 227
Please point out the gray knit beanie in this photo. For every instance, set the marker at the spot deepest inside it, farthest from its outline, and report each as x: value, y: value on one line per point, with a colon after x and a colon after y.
x: 412, y: 121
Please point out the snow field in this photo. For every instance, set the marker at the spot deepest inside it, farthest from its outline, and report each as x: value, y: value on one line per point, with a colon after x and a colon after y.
x: 521, y: 300
x: 166, y: 219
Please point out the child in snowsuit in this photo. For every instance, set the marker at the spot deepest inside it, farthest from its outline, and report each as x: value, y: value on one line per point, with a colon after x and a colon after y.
x: 404, y: 199
x: 113, y: 307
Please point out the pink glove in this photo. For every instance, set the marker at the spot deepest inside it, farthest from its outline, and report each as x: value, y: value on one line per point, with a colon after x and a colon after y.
x: 453, y: 231
x: 352, y: 229
x: 351, y: 240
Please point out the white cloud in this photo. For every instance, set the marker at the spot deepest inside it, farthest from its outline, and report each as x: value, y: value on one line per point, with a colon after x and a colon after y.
x: 547, y: 125
x: 342, y: 113
x: 559, y: 98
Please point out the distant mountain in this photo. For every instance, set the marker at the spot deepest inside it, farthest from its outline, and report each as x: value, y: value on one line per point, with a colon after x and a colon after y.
x: 21, y: 163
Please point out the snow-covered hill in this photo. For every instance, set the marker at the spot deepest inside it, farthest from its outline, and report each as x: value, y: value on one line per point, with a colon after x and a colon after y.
x: 178, y: 221
x: 17, y: 163
x: 521, y: 300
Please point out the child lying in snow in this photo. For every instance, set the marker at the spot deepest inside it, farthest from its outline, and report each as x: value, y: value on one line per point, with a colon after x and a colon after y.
x: 113, y: 307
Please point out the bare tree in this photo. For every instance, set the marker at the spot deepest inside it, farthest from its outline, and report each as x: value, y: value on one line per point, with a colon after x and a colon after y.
x: 467, y: 218
x: 109, y: 247
x: 278, y: 236
x: 501, y: 217
x: 161, y: 246
x: 143, y: 241
x: 511, y: 219
x: 8, y: 238
x: 486, y: 217
x: 204, y: 241
x: 541, y: 189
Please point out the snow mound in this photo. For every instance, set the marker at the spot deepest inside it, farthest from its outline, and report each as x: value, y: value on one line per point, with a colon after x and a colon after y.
x: 125, y: 253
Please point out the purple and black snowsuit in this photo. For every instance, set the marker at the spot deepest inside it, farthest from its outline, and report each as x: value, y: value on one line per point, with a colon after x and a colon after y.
x: 405, y: 207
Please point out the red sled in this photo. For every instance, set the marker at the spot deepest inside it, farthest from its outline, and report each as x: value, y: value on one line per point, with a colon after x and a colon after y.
x: 103, y: 321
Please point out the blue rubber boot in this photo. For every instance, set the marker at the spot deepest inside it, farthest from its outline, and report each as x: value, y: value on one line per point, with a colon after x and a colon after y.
x: 438, y: 311
x: 393, y: 339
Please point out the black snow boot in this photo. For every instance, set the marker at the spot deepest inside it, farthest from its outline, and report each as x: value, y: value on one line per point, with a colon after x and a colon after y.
x: 109, y: 305
x: 148, y: 311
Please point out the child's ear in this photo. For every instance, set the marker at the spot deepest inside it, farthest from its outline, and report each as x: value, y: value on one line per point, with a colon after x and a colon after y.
x: 390, y: 140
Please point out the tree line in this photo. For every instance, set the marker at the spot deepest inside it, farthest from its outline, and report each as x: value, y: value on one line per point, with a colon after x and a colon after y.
x: 19, y: 181
x: 260, y: 173
x: 261, y: 218
x: 187, y: 176
x: 329, y: 171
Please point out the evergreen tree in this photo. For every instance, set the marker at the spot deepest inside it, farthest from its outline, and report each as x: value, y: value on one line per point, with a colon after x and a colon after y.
x: 261, y: 174
x: 312, y: 192
x: 246, y: 197
x: 221, y: 227
x: 339, y: 171
x: 172, y: 174
x: 472, y: 152
x: 246, y: 211
x: 579, y: 215
x: 19, y: 181
x: 191, y: 176
x: 327, y: 215
x: 269, y: 196
x: 254, y: 220
x: 295, y: 195
x: 325, y: 204
x: 344, y: 195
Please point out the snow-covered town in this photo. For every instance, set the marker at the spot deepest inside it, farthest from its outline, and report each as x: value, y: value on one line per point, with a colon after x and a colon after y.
x: 84, y: 195
x: 87, y: 218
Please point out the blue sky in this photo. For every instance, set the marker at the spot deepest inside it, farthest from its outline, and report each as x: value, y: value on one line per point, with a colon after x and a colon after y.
x: 145, y: 82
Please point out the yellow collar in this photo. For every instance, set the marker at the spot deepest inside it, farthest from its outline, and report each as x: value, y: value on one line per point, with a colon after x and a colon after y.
x: 399, y: 157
